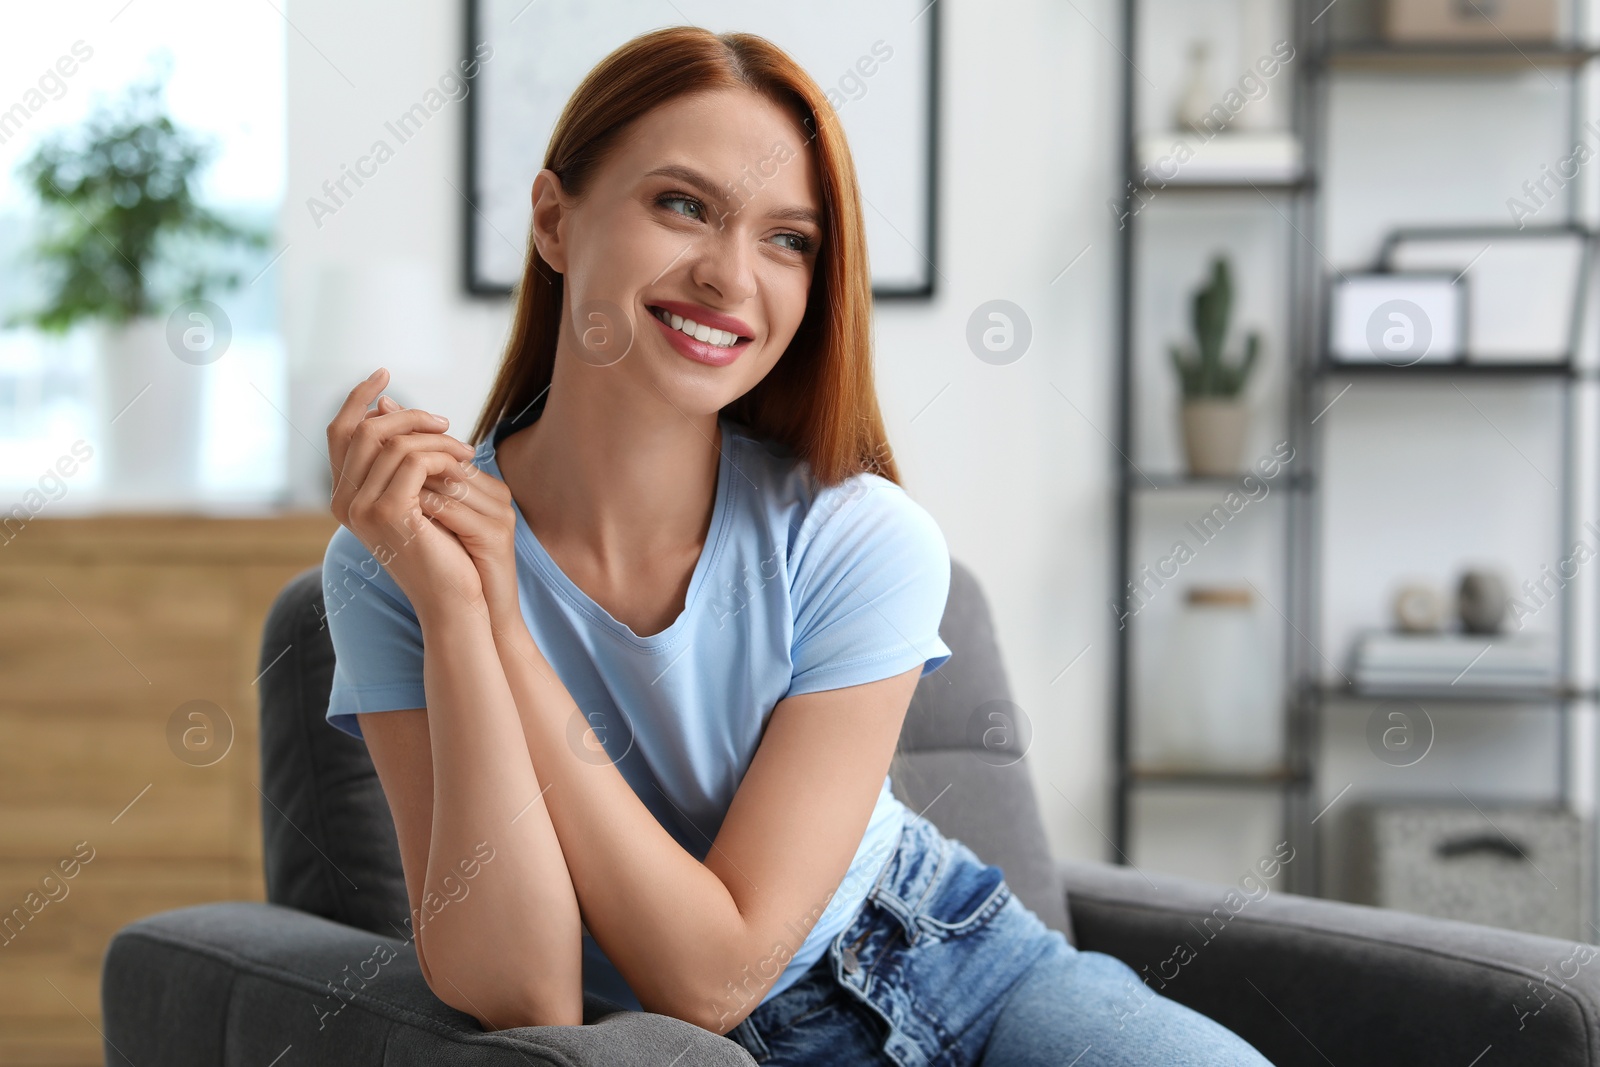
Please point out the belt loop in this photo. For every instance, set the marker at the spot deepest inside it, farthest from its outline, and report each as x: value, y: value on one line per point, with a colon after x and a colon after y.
x: 749, y: 1038
x: 883, y: 872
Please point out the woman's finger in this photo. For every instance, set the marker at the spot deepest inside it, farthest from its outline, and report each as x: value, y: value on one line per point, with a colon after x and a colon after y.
x: 385, y: 404
x: 393, y: 503
x: 474, y: 487
x: 471, y: 525
x: 395, y: 449
x: 370, y: 437
x: 472, y: 514
x: 350, y: 413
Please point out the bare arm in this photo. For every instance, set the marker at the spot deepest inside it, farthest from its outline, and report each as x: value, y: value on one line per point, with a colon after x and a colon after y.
x: 699, y: 941
x: 704, y: 941
x: 493, y: 909
x: 495, y: 915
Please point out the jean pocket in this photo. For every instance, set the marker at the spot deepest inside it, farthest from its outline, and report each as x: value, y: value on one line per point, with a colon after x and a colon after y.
x: 967, y: 894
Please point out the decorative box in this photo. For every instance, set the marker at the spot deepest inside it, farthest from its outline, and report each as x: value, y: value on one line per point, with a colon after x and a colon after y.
x: 1513, y: 866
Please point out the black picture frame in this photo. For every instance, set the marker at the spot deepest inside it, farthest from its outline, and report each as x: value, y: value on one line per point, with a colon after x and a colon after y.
x: 1564, y: 360
x: 475, y: 284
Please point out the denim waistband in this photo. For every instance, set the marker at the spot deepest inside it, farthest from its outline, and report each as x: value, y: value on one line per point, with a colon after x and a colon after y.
x: 924, y: 954
x: 910, y: 874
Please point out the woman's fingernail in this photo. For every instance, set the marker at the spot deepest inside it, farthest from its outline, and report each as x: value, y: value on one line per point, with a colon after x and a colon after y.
x: 373, y: 376
x: 441, y: 420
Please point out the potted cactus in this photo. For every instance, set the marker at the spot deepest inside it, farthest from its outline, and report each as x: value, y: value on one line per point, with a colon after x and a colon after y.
x: 1214, y: 412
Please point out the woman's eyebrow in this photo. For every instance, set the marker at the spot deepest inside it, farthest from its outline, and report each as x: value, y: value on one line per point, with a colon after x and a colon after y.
x: 690, y: 176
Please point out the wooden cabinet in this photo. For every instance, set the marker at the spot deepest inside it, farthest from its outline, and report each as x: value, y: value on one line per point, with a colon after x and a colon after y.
x: 129, y: 769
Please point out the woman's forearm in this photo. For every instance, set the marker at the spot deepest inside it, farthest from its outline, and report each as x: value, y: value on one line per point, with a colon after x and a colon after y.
x: 504, y: 945
x: 666, y: 920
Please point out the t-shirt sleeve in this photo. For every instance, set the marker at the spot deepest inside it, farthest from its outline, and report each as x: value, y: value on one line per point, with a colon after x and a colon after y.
x: 377, y: 640
x: 869, y: 588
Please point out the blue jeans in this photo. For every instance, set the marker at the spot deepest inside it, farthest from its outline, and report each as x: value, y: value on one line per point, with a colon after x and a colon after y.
x: 944, y: 967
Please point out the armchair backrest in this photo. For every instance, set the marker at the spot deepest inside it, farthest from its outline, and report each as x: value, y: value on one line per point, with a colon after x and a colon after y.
x: 329, y: 844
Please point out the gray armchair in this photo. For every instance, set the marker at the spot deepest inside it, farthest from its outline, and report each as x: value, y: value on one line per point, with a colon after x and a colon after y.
x: 325, y: 973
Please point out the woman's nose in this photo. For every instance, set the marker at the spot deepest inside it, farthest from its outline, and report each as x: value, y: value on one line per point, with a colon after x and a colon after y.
x: 727, y: 263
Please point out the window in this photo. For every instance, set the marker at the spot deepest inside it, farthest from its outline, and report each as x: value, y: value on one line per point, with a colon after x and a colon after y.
x: 226, y: 82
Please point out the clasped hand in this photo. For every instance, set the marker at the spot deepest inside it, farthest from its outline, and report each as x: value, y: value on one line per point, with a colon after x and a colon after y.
x: 442, y: 528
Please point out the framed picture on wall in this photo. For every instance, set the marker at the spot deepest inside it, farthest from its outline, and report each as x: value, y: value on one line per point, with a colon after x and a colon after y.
x: 877, y: 64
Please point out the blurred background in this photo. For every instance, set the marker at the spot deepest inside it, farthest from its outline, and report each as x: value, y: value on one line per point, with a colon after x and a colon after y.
x: 1242, y: 348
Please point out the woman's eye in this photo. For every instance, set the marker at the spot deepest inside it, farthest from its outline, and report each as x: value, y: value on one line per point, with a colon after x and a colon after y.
x: 671, y: 198
x: 802, y: 243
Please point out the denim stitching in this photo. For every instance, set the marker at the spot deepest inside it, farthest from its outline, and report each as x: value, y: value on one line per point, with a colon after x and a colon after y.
x: 982, y: 913
x: 908, y: 914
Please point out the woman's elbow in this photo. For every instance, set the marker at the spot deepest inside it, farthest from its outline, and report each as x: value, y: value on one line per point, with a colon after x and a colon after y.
x: 493, y: 981
x: 714, y: 1006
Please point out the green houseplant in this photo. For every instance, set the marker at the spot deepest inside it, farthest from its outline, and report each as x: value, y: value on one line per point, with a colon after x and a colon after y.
x: 1214, y: 412
x: 124, y: 247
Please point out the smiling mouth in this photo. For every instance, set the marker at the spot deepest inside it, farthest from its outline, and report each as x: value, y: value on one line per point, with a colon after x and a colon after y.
x: 699, y: 331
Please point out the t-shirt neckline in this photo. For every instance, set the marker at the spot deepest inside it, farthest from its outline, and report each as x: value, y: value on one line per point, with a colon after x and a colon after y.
x: 556, y: 578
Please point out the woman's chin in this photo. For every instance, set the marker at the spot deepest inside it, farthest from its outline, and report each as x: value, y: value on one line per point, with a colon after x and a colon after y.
x: 681, y: 388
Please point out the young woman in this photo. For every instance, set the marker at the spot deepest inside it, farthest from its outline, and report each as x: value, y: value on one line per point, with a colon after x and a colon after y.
x: 632, y: 670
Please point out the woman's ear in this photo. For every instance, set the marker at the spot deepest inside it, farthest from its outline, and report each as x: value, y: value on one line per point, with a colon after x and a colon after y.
x: 550, y: 206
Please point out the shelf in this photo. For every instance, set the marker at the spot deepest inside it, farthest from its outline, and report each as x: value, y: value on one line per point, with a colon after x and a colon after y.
x: 1243, y: 185
x: 1489, y: 58
x: 1149, y: 483
x: 1555, y: 695
x: 1207, y: 779
x: 1478, y: 369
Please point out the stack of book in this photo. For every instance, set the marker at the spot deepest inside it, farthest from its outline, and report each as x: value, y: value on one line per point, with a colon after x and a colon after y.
x: 1400, y: 662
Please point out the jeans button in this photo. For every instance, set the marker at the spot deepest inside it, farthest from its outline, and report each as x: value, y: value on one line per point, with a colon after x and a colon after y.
x: 851, y: 964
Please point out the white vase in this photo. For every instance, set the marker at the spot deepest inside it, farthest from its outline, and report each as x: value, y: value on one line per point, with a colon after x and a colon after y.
x: 1195, y: 106
x: 1213, y: 436
x: 150, y: 409
x: 1215, y: 703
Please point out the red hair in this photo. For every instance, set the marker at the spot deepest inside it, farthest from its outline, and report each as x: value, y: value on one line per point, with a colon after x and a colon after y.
x: 819, y: 399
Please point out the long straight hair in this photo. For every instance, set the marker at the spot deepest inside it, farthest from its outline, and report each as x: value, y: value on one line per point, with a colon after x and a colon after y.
x: 819, y: 400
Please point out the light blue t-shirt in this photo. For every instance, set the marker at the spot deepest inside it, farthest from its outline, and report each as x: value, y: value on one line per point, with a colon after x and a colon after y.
x: 798, y: 588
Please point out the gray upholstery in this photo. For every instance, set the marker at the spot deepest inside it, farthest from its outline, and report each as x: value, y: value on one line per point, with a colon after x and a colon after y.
x: 1315, y: 982
x: 324, y: 967
x: 241, y: 983
x: 981, y: 796
x: 328, y: 840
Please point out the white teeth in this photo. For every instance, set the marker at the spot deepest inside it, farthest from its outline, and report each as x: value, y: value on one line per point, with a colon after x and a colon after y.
x: 720, y: 338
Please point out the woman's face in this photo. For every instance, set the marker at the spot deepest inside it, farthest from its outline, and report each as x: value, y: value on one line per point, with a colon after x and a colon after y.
x: 708, y: 208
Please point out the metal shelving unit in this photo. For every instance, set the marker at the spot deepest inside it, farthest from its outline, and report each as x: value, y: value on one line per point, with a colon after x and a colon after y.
x: 1298, y: 202
x: 1292, y: 780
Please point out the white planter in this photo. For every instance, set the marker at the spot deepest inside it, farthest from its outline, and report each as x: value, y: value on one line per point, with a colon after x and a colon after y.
x: 150, y: 409
x: 1214, y: 706
x: 1213, y: 436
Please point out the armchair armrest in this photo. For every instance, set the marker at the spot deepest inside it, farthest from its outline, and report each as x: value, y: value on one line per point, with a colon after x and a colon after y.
x: 195, y: 986
x: 1311, y: 981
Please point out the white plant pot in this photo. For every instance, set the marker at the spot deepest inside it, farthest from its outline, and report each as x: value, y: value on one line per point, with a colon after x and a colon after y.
x: 150, y: 409
x: 1213, y: 436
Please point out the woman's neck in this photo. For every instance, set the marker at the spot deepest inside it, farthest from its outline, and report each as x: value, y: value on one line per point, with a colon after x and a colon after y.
x: 615, y: 479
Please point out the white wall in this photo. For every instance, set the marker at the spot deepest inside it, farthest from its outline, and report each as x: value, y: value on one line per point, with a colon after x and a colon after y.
x: 1014, y: 462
